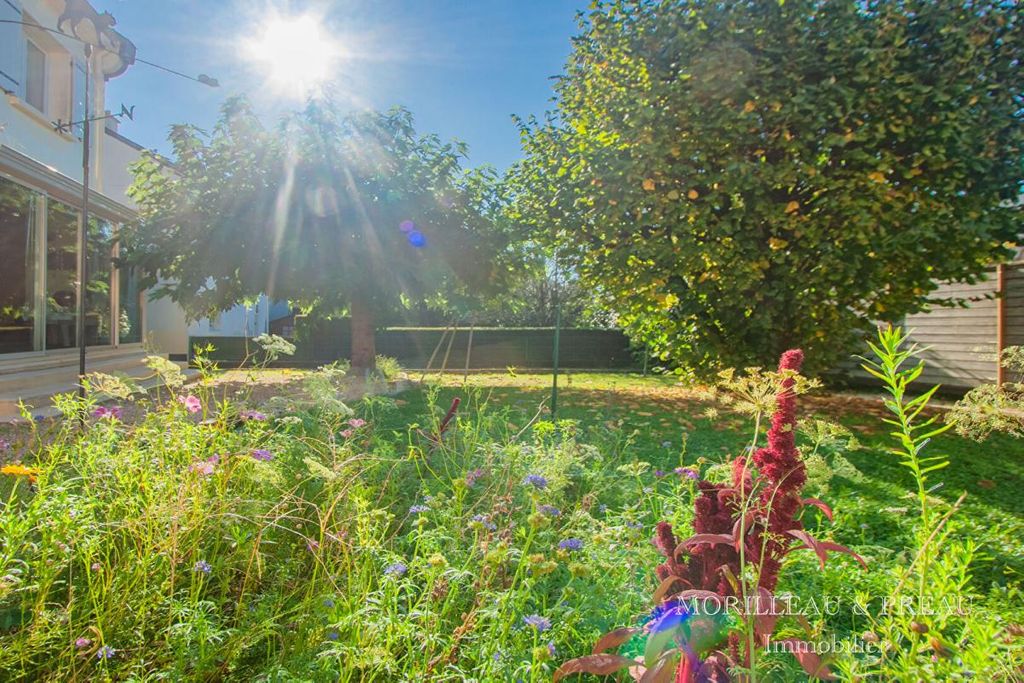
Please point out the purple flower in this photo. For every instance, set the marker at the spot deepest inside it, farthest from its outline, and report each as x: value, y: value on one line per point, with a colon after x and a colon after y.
x: 485, y: 522
x: 4, y: 444
x: 329, y: 603
x: 191, y: 403
x: 253, y: 415
x: 105, y: 652
x: 474, y: 475
x: 571, y: 545
x: 113, y: 413
x: 659, y: 474
x: 537, y: 622
x: 418, y: 509
x: 312, y: 546
x: 687, y: 472
x: 550, y: 510
x: 202, y: 566
x: 332, y: 635
x: 83, y: 643
x: 551, y: 649
x: 536, y: 481
x: 635, y: 525
x: 396, y: 569
x: 262, y: 454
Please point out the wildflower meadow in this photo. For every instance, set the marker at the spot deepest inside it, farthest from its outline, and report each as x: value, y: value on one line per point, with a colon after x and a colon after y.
x: 187, y: 534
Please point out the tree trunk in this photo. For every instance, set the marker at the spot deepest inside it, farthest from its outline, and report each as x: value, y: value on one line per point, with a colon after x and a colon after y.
x: 364, y: 350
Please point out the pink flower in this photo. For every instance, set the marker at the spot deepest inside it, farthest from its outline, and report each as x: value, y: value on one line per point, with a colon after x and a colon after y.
x: 347, y: 434
x: 205, y: 467
x: 83, y: 643
x: 356, y: 422
x: 114, y: 412
x: 191, y: 403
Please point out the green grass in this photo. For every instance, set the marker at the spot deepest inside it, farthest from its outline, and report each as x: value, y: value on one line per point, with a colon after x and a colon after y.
x: 174, y: 542
x: 654, y: 413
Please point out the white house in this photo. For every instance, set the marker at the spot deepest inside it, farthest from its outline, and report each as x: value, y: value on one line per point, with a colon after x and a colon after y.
x: 42, y: 80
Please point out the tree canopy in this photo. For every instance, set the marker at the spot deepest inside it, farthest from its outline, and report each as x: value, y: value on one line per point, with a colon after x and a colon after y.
x: 744, y: 177
x: 348, y: 213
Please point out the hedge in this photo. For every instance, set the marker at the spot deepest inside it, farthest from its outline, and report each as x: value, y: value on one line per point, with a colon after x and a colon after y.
x: 412, y: 347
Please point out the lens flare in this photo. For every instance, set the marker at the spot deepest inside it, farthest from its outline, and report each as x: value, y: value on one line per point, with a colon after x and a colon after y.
x: 406, y: 226
x: 417, y: 239
x: 694, y: 627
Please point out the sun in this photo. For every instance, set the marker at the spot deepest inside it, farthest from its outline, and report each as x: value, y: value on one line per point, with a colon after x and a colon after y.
x: 298, y: 57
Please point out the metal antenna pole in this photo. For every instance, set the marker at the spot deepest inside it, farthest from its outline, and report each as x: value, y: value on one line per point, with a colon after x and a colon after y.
x: 83, y: 229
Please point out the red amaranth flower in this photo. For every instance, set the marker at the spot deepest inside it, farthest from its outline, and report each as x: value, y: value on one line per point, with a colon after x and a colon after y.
x: 753, y: 517
x: 781, y: 476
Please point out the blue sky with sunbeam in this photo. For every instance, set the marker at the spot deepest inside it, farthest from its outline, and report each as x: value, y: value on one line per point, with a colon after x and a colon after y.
x: 462, y: 67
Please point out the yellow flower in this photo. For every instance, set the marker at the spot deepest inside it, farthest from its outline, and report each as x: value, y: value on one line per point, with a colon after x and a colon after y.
x: 20, y: 471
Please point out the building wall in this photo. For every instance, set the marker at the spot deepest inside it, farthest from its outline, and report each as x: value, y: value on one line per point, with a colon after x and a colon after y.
x: 118, y: 154
x: 166, y: 328
x: 26, y: 130
x: 960, y: 343
x: 240, y: 321
x: 1014, y: 322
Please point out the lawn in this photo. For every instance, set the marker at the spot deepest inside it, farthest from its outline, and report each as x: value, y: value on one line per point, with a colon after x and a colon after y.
x: 255, y: 528
x: 650, y: 417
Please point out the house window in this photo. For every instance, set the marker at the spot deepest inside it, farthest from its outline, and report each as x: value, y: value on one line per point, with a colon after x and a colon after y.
x: 35, y: 77
x: 97, y: 291
x: 39, y: 276
x: 130, y: 306
x: 18, y: 260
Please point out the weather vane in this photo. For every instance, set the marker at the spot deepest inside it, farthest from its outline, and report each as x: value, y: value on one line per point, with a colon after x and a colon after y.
x: 62, y: 126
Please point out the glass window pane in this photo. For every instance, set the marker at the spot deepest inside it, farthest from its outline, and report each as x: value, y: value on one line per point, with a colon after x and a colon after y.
x: 61, y: 274
x: 35, y: 77
x: 17, y: 264
x: 130, y: 306
x: 97, y: 298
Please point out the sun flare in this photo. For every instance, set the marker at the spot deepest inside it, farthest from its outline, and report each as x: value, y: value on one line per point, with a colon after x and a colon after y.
x: 298, y: 56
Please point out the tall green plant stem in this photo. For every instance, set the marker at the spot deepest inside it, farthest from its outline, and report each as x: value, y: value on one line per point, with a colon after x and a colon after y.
x: 892, y: 352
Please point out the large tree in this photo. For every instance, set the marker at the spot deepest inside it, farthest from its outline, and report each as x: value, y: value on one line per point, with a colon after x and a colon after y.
x: 747, y: 176
x: 351, y: 214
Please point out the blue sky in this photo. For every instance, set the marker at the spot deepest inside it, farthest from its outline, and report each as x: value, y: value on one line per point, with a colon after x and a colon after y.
x: 462, y: 66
